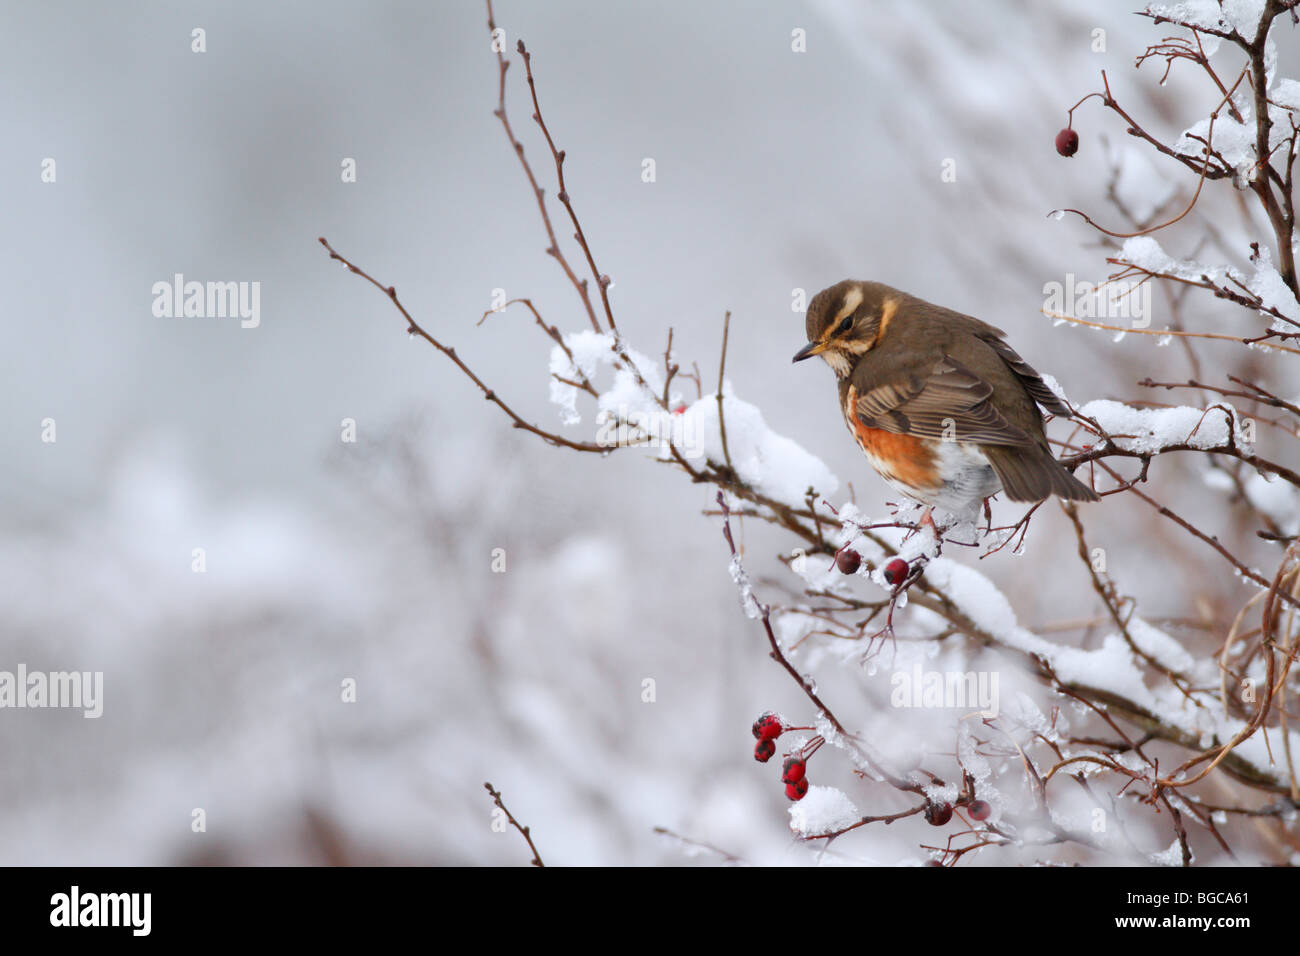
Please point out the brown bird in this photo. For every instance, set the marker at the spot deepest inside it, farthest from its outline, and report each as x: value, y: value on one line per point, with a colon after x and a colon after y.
x: 942, y: 407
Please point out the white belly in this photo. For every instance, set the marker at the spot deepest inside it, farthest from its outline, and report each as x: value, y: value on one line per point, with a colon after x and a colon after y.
x: 967, y: 478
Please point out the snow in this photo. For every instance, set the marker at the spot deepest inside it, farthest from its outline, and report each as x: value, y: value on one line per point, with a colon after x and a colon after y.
x: 1286, y: 94
x: 1278, y: 499
x: 1160, y: 647
x: 1110, y: 667
x: 1239, y: 15
x: 769, y: 463
x: 1145, y: 253
x: 1192, y: 13
x: 1150, y: 430
x: 1234, y: 141
x: 593, y: 351
x: 823, y: 810
x: 589, y: 350
x: 1173, y: 856
x: 1273, y: 292
x: 981, y: 601
x: 1243, y: 16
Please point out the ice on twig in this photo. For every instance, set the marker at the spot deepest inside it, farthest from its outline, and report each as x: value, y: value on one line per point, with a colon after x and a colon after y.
x: 748, y: 602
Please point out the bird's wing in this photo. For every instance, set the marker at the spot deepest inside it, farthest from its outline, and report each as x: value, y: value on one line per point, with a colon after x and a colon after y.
x: 951, y: 403
x: 1028, y: 375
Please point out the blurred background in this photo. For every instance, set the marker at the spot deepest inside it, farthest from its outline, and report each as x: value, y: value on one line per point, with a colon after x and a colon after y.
x: 372, y: 561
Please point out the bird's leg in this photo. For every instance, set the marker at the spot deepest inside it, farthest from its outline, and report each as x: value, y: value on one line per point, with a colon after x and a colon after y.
x: 927, y: 521
x: 988, y: 516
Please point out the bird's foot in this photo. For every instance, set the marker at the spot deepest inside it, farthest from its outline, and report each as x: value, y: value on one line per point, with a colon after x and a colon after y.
x: 926, y: 521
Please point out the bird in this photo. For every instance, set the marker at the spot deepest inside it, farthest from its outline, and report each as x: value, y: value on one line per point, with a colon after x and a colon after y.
x: 943, y: 408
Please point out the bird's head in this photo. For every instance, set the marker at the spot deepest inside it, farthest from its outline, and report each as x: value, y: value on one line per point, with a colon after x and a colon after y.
x: 845, y: 321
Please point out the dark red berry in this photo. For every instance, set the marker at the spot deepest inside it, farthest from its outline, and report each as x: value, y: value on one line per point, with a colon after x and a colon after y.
x: 1067, y: 142
x: 796, y: 791
x: 763, y: 750
x: 793, y: 770
x: 896, y: 571
x: 768, y: 727
x: 979, y: 810
x: 937, y: 814
x: 848, y: 561
x: 933, y: 863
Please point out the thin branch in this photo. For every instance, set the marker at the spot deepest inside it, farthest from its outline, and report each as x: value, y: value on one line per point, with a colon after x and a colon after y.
x: 496, y: 798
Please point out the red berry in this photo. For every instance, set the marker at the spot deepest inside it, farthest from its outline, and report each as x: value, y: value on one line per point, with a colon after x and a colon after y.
x: 937, y: 814
x: 679, y: 409
x: 979, y: 810
x: 848, y: 561
x: 793, y: 770
x: 896, y: 571
x: 768, y: 727
x: 933, y: 863
x: 763, y: 750
x: 796, y: 791
x: 1067, y: 142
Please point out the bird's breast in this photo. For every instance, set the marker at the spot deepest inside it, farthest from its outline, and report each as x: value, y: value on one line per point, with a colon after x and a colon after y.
x: 952, y: 475
x: 903, y: 460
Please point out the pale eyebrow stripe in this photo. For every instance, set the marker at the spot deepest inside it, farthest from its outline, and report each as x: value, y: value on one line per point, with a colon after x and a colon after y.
x: 851, y: 303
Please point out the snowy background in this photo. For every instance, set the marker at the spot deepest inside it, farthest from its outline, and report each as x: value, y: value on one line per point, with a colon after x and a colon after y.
x: 373, y: 560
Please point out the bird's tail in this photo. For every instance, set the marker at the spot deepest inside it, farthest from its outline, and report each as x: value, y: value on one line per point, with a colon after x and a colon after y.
x: 1031, y: 474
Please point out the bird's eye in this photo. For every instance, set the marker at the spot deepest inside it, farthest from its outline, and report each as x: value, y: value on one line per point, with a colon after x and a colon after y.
x: 846, y: 325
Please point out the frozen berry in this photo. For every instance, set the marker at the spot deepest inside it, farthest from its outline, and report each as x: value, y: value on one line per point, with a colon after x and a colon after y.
x: 933, y: 863
x: 763, y: 750
x: 979, y: 810
x: 768, y: 727
x: 679, y: 409
x: 793, y: 770
x: 796, y: 791
x: 848, y: 561
x: 896, y: 571
x: 937, y: 814
x: 1067, y: 142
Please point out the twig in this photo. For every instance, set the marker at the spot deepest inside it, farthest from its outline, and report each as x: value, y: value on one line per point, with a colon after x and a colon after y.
x: 496, y: 798
x: 722, y: 370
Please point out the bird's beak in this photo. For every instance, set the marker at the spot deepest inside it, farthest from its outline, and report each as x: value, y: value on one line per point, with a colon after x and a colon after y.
x: 809, y: 350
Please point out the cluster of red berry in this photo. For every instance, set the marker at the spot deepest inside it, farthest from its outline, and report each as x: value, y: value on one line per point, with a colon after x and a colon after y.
x: 794, y: 772
x: 848, y: 561
x: 937, y: 814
